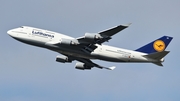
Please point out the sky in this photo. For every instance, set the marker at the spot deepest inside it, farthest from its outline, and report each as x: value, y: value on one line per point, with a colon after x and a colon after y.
x: 29, y: 73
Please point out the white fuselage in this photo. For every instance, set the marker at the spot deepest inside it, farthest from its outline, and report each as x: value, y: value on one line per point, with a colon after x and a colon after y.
x: 47, y: 39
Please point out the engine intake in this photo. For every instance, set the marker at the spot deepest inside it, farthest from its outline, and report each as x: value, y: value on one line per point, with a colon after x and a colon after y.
x: 63, y: 59
x: 82, y: 66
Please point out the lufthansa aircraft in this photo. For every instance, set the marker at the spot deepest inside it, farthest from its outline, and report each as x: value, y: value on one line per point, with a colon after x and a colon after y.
x: 90, y: 46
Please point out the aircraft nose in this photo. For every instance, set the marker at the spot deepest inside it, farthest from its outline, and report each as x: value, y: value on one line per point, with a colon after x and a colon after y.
x: 12, y: 33
x: 9, y: 32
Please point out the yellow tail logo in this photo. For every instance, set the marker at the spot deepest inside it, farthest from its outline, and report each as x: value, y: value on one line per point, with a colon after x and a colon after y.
x: 159, y: 45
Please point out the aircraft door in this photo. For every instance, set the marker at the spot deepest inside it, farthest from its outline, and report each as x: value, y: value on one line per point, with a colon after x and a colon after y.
x: 131, y: 57
x: 127, y: 56
x: 29, y: 34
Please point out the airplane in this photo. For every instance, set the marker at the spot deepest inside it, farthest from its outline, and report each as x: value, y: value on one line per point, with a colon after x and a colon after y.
x: 90, y: 46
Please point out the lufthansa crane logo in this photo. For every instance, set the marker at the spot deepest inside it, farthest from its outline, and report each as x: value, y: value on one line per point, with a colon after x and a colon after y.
x: 159, y: 45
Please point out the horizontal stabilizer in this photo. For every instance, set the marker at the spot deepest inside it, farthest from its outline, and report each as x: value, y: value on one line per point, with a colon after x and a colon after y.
x: 157, y: 55
x: 158, y: 63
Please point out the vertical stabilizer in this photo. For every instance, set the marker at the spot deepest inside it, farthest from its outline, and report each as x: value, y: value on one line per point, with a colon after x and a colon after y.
x: 158, y: 45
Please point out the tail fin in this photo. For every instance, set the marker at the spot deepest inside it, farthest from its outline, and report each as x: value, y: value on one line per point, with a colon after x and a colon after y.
x: 158, y: 45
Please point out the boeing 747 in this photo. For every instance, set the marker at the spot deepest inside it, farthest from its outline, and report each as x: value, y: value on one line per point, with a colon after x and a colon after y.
x: 90, y: 46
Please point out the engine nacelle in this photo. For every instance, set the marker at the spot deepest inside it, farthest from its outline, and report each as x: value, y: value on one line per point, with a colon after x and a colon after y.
x: 68, y: 42
x: 82, y: 66
x: 63, y: 59
x: 91, y: 36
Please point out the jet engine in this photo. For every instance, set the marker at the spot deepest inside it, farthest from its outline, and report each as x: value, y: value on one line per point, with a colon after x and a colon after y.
x: 68, y: 42
x: 92, y: 37
x: 63, y: 59
x: 82, y: 66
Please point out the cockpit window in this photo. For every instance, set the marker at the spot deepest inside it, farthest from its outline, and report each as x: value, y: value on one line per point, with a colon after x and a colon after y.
x: 22, y: 27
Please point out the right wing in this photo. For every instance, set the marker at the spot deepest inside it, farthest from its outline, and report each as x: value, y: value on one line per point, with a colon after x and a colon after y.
x: 103, y: 36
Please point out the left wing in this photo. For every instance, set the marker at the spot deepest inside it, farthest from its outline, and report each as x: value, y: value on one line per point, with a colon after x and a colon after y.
x: 82, y: 64
x: 99, y: 38
x: 88, y: 64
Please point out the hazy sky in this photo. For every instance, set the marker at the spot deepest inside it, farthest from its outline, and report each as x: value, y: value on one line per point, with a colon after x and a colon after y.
x: 29, y: 73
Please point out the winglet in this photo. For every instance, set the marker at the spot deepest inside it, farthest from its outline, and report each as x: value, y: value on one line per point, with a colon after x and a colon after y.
x: 127, y: 25
x: 110, y: 68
